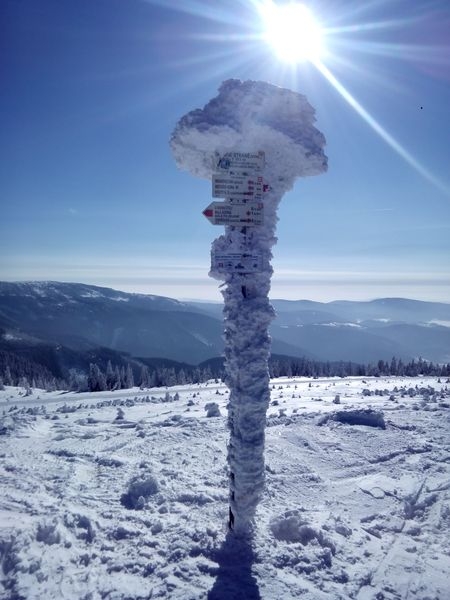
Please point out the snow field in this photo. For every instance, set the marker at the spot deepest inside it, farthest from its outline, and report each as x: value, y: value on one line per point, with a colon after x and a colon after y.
x: 126, y: 496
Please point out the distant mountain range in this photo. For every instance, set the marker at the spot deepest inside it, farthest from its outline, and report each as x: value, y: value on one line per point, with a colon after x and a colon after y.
x: 78, y: 318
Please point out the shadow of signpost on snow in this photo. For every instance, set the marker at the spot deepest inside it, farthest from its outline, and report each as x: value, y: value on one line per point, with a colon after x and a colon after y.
x: 235, y: 580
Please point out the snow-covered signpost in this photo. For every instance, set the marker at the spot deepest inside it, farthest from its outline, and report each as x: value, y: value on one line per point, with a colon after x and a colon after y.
x: 252, y: 140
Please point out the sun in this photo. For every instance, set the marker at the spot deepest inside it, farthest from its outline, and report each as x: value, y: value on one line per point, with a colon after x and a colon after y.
x: 292, y: 31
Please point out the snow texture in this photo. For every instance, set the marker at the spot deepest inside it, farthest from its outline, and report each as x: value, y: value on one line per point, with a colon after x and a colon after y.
x: 250, y: 116
x: 350, y: 511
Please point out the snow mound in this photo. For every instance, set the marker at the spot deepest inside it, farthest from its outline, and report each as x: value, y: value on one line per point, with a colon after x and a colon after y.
x: 302, y: 547
x: 81, y: 526
x: 365, y: 416
x: 199, y: 499
x: 140, y: 488
x: 414, y: 509
x: 48, y: 533
x: 293, y: 527
x: 7, y: 425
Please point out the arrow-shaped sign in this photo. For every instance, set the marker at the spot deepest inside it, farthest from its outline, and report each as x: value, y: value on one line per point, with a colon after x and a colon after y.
x: 225, y: 213
x: 238, y: 186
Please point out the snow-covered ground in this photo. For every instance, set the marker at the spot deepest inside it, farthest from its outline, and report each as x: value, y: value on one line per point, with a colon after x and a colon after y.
x: 99, y: 507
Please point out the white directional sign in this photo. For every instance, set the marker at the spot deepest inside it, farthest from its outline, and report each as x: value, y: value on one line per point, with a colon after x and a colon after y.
x: 237, y: 186
x: 236, y: 262
x: 225, y: 213
x: 239, y: 161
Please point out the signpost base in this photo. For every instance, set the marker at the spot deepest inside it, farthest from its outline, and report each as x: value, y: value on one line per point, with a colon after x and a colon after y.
x: 247, y: 313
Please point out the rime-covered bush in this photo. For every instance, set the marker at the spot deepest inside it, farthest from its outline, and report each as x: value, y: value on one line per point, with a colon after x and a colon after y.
x: 212, y: 409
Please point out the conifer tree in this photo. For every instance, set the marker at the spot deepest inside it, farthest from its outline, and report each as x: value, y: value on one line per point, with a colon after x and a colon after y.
x: 117, y: 382
x: 26, y: 386
x: 129, y: 379
x: 145, y: 377
x: 109, y: 376
x: 393, y: 366
x: 8, y: 376
x: 96, y: 379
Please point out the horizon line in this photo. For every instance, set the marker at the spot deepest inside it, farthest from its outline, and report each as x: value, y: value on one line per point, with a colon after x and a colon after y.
x: 212, y: 301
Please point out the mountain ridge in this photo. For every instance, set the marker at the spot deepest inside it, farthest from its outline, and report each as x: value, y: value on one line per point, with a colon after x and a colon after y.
x: 82, y: 316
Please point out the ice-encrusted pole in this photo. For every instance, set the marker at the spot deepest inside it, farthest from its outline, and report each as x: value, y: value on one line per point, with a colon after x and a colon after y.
x: 250, y: 116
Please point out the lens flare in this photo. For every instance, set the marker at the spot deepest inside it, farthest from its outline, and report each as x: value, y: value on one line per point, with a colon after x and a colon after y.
x: 384, y: 135
x: 292, y: 32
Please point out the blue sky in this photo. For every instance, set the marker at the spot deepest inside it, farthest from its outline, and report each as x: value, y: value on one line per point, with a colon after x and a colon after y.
x: 91, y: 90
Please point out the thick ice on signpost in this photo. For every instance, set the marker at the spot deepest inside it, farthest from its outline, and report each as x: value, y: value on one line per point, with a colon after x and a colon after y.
x: 250, y: 116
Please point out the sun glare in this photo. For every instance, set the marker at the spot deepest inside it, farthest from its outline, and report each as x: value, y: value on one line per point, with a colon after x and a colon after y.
x: 292, y: 32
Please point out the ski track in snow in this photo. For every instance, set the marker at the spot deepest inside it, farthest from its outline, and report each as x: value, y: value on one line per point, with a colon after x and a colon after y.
x: 99, y: 507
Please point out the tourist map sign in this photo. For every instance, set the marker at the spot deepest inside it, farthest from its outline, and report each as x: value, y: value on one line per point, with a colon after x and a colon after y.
x: 239, y: 161
x: 238, y: 186
x: 226, y: 213
x: 236, y: 262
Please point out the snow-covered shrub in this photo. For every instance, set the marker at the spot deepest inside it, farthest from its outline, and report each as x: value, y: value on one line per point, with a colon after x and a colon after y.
x: 212, y: 409
x: 67, y: 409
x: 156, y: 528
x: 369, y: 417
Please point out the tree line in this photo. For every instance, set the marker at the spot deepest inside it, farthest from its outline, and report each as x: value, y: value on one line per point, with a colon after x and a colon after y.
x: 18, y: 371
x: 21, y: 371
x: 303, y: 367
x: 115, y: 378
